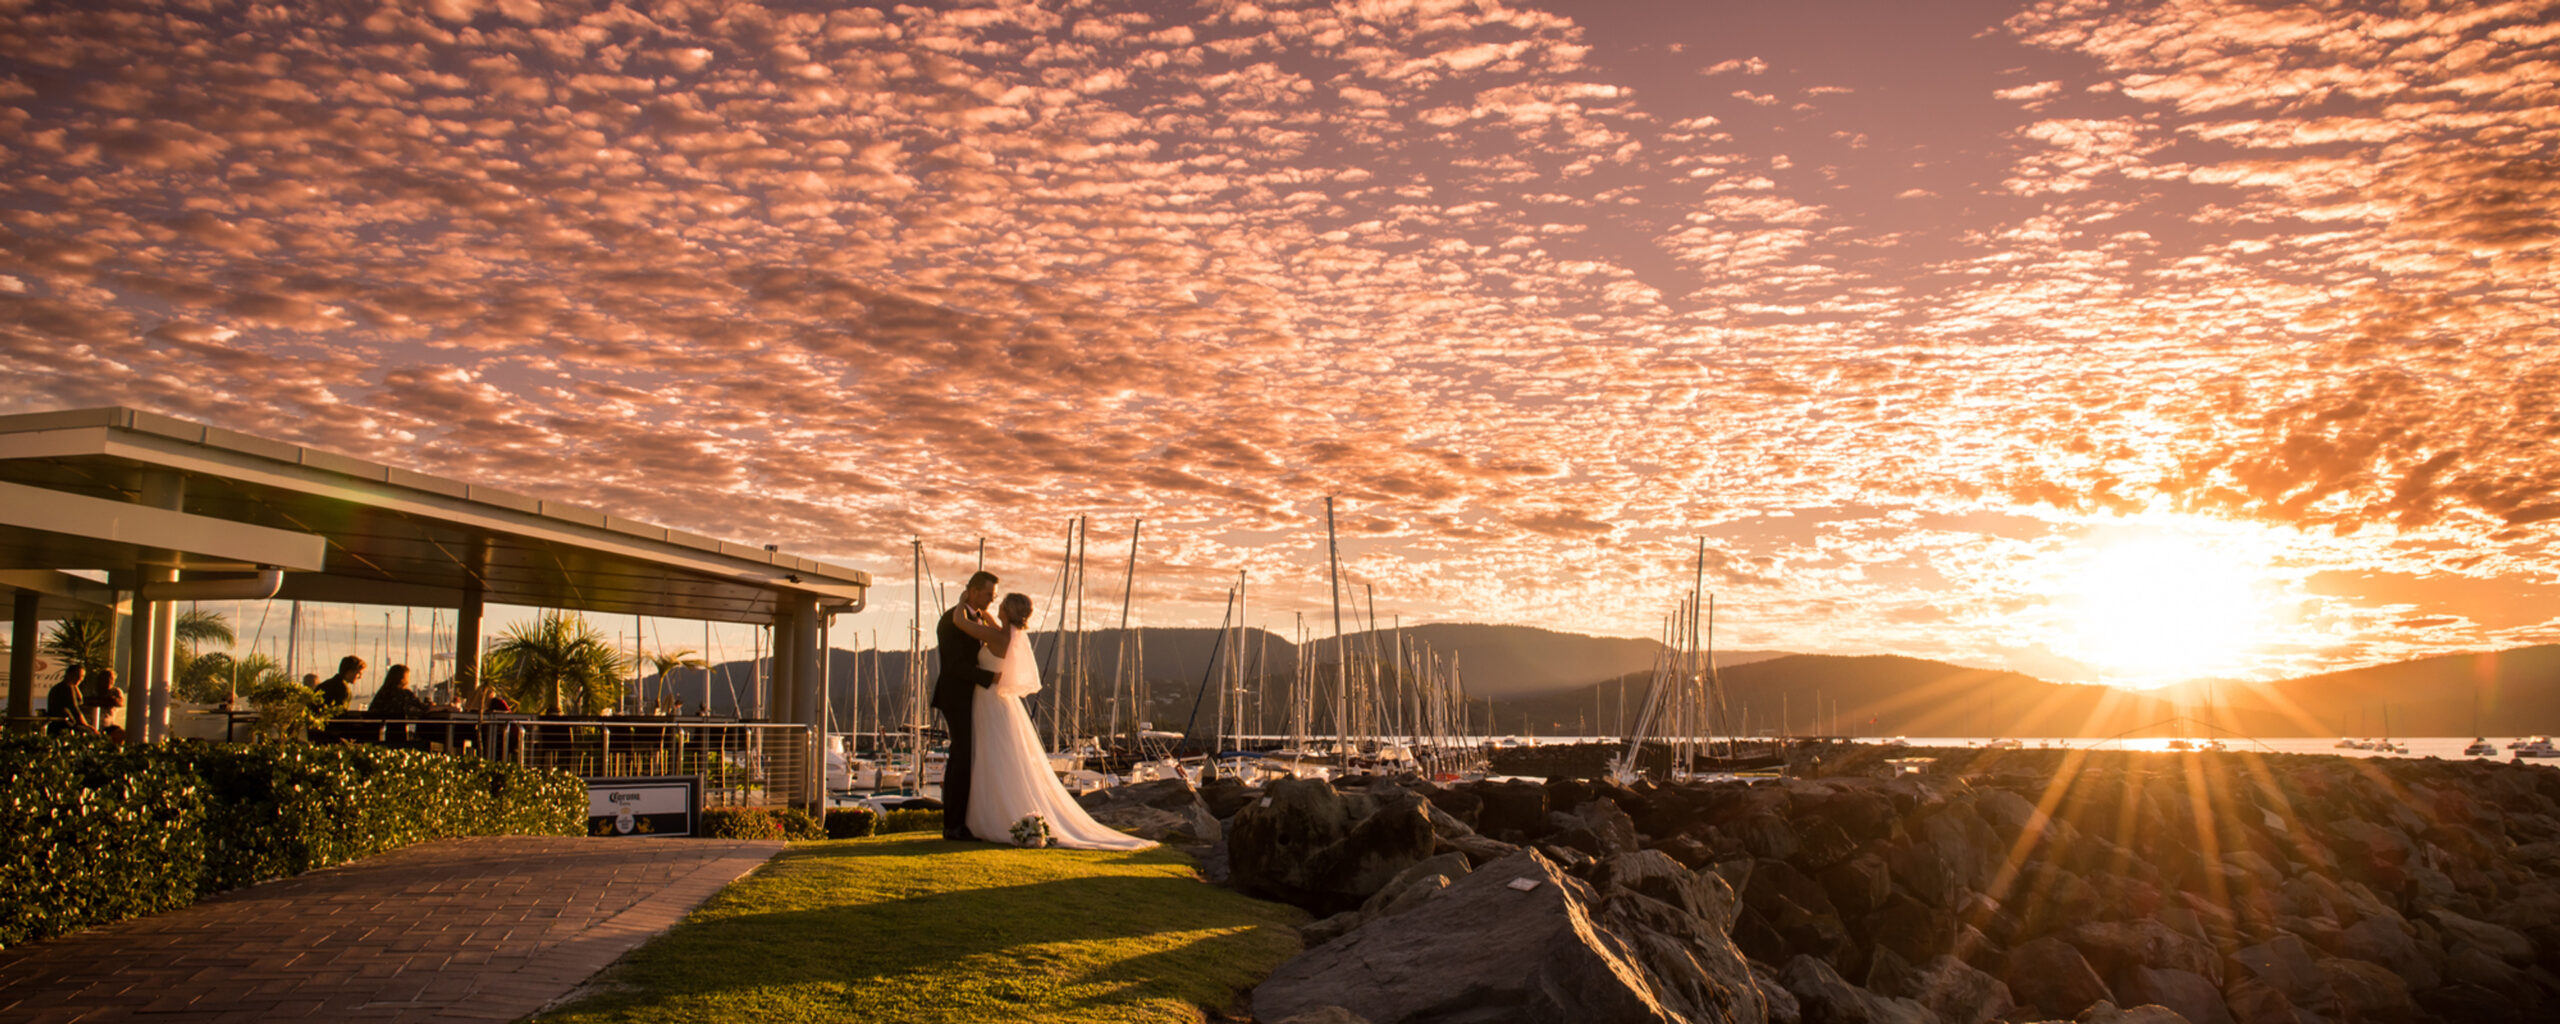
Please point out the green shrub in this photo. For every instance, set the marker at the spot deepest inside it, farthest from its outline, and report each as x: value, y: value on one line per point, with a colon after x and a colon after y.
x: 91, y: 832
x: 740, y: 823
x: 798, y: 825
x: 910, y: 819
x: 851, y: 822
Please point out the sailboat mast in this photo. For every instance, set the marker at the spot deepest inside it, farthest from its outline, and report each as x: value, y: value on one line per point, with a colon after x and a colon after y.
x: 1123, y: 693
x: 1341, y: 665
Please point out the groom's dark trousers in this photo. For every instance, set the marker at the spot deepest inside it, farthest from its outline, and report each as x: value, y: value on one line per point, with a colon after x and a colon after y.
x: 955, y: 694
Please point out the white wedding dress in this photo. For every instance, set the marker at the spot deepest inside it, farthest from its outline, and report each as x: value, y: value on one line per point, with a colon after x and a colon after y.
x: 1009, y: 772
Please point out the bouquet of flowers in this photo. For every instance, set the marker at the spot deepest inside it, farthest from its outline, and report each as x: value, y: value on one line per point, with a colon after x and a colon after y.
x: 1032, y: 831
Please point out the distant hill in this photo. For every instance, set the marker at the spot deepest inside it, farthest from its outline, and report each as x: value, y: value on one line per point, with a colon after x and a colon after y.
x: 1501, y: 662
x: 1884, y: 695
x: 1542, y: 682
x: 2517, y: 693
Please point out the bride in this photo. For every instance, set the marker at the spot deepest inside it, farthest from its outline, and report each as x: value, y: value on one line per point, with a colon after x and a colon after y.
x: 1009, y: 774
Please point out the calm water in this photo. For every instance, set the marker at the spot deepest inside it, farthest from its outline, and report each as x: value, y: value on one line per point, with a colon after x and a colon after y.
x: 2447, y: 747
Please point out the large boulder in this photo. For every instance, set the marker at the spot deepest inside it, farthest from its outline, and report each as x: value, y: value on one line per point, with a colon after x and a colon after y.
x: 2117, y: 946
x: 2368, y: 993
x: 2109, y: 1013
x: 2194, y: 996
x: 1516, y: 940
x: 2050, y: 976
x: 1953, y: 990
x: 1823, y: 997
x: 1514, y: 811
x: 1167, y: 811
x: 1300, y: 845
x: 1272, y: 837
x: 2288, y: 966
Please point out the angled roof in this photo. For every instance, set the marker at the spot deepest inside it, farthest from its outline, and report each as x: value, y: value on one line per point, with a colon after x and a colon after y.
x: 385, y: 535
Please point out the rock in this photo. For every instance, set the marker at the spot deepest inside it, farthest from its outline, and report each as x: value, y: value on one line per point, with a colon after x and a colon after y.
x: 1658, y: 876
x: 2504, y: 943
x: 1415, y: 883
x: 1272, y: 837
x: 1297, y: 845
x: 1916, y: 931
x: 1923, y: 870
x: 1783, y: 1008
x: 1953, y: 990
x: 2046, y: 898
x: 1482, y: 950
x: 2470, y: 965
x: 1327, y: 1015
x: 1822, y: 997
x: 1513, y: 811
x: 2470, y: 1004
x: 1463, y: 804
x: 2286, y: 965
x: 2051, y: 977
x: 2008, y: 813
x: 1859, y: 885
x: 1477, y: 848
x: 2371, y: 853
x: 1686, y: 850
x: 1787, y: 913
x: 2388, y: 941
x: 1767, y: 836
x: 1224, y: 797
x: 2368, y: 992
x: 1696, y: 972
x: 1821, y: 844
x: 1323, y: 930
x: 1597, y: 827
x: 2255, y: 1002
x: 1167, y: 811
x: 2117, y: 946
x: 2107, y: 1013
x: 2192, y: 995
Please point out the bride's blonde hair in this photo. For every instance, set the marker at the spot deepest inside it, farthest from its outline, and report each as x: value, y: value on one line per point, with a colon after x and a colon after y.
x: 1016, y: 611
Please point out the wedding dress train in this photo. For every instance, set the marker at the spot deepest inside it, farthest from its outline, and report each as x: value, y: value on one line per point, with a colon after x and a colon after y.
x: 1010, y: 777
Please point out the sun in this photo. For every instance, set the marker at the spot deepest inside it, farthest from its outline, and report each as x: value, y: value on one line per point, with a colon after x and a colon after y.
x: 2157, y: 609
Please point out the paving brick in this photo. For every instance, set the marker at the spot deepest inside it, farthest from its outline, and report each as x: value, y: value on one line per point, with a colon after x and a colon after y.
x: 488, y: 928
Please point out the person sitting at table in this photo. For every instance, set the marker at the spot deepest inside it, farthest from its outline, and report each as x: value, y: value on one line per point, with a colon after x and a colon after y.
x: 336, y: 691
x: 104, y: 699
x: 396, y: 700
x: 487, y: 700
x: 62, y: 704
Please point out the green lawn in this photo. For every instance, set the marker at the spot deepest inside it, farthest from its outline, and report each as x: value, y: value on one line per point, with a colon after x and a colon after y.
x: 911, y: 928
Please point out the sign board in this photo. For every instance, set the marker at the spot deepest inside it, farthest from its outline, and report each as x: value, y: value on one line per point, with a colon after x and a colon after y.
x: 656, y: 805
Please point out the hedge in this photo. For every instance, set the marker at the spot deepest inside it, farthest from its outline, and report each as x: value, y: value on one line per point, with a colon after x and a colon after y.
x: 92, y: 832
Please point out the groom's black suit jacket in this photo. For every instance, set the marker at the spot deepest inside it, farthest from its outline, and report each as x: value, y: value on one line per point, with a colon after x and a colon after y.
x: 954, y: 686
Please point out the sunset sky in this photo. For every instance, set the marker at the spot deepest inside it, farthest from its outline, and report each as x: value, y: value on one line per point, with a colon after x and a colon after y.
x: 2118, y: 342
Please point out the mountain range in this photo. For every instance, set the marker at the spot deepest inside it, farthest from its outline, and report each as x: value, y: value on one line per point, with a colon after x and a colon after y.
x: 1536, y: 681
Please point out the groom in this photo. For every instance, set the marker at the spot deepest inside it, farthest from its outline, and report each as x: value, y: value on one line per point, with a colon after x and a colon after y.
x: 955, y: 692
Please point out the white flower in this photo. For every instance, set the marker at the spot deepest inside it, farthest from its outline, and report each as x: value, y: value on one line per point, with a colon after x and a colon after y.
x: 1031, y: 832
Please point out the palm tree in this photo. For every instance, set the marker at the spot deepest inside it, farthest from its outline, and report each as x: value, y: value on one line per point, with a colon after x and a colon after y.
x: 84, y: 641
x: 665, y: 662
x: 558, y: 663
x: 203, y: 678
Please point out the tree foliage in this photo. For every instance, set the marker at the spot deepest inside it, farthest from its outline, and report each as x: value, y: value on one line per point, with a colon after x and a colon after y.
x: 559, y: 664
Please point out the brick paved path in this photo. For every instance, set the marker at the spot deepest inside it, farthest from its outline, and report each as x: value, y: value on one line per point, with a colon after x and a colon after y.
x: 483, y: 929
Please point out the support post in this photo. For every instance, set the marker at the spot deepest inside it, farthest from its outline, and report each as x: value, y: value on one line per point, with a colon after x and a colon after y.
x: 24, y: 606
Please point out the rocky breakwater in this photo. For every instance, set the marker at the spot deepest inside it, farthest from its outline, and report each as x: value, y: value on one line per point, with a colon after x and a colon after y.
x: 2203, y: 888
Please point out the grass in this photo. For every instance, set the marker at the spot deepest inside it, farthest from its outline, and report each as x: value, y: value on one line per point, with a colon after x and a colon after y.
x: 911, y: 929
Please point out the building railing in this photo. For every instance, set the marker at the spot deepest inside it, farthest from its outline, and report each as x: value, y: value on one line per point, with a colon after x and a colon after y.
x: 742, y: 764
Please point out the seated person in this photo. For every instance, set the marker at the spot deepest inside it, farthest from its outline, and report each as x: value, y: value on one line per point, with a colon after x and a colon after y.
x: 337, y: 690
x: 62, y: 704
x: 488, y: 700
x: 396, y: 700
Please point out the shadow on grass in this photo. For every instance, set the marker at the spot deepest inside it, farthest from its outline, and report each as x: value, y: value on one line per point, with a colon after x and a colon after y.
x: 927, y: 930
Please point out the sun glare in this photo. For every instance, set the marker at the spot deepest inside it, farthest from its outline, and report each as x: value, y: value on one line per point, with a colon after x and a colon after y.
x: 2156, y: 610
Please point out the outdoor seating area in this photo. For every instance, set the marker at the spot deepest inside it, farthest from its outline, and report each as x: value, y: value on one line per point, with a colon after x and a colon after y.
x: 126, y: 518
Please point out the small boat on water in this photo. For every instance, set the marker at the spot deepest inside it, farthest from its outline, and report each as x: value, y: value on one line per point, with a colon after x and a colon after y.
x: 2003, y: 744
x: 2541, y: 747
x: 2530, y: 741
x: 2480, y: 747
